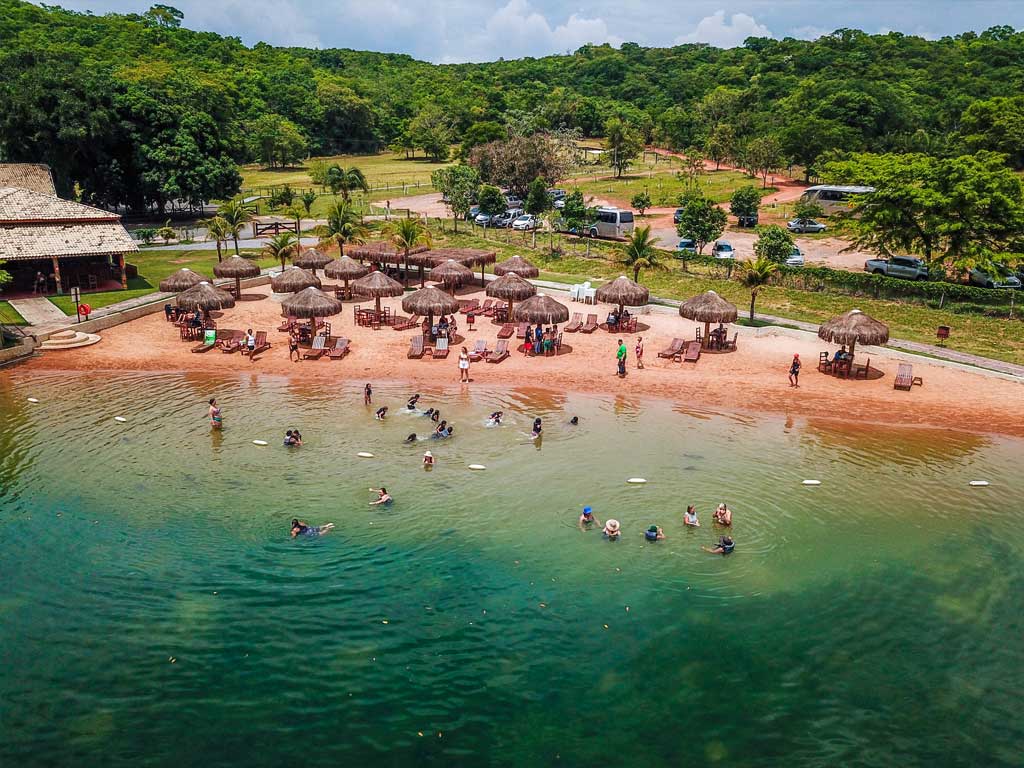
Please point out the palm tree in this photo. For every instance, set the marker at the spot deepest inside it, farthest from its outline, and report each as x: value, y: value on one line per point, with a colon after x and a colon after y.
x: 345, y: 180
x: 281, y: 246
x: 343, y: 227
x: 216, y: 229
x: 756, y: 275
x: 235, y: 215
x: 308, y: 198
x: 640, y: 253
x: 297, y: 212
x: 406, y: 234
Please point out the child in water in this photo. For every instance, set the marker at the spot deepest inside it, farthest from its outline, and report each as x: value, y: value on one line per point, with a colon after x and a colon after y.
x: 411, y: 405
x: 382, y: 412
x: 536, y: 427
x: 587, y: 519
x: 495, y: 419
x: 654, y: 533
x: 367, y: 395
x: 411, y: 438
x: 725, y: 546
x: 611, y: 530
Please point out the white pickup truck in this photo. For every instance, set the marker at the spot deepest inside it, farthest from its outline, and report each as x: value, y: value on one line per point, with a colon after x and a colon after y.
x: 906, y: 267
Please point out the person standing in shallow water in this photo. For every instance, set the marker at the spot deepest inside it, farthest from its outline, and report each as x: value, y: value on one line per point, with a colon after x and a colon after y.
x: 216, y: 419
x: 367, y: 395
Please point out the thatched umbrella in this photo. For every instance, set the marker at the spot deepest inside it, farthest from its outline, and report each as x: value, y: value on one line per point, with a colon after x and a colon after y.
x: 294, y: 279
x: 624, y: 292
x: 516, y: 264
x: 451, y: 273
x: 510, y: 287
x: 708, y: 308
x: 852, y: 327
x: 311, y: 303
x: 377, y: 284
x: 430, y: 301
x: 541, y: 309
x: 182, y: 280
x: 346, y: 269
x: 471, y: 257
x: 205, y: 297
x: 236, y: 267
x: 312, y: 259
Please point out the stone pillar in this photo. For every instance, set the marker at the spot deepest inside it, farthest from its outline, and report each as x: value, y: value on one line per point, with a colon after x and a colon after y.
x: 124, y: 273
x: 56, y: 275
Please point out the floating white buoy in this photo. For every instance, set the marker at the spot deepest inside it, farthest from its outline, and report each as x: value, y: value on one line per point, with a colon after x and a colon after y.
x: 364, y: 455
x: 979, y: 483
x: 33, y: 400
x: 120, y: 418
x: 477, y: 466
x: 812, y: 482
x: 636, y: 480
x: 259, y: 442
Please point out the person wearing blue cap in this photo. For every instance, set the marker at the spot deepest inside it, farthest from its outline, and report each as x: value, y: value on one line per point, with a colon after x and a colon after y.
x: 587, y: 519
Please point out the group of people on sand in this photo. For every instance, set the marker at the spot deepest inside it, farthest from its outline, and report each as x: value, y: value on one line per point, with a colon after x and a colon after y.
x: 612, y: 529
x: 622, y: 353
x: 540, y: 341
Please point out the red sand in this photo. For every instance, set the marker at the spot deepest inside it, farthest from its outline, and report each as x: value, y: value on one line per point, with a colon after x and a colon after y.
x: 752, y: 379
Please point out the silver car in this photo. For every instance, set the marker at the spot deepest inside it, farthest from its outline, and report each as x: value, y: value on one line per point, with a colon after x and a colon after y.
x: 795, y: 258
x: 805, y: 225
x: 723, y: 250
x: 985, y: 280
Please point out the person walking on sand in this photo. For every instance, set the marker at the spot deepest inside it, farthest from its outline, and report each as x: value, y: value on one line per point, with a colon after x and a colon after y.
x: 639, y: 352
x: 216, y: 419
x: 367, y: 395
x: 464, y: 366
x: 293, y: 346
x: 794, y: 372
x: 620, y: 356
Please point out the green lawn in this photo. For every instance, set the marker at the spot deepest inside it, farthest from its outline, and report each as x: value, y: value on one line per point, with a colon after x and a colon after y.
x: 9, y: 315
x: 666, y: 188
x: 387, y: 169
x: 153, y: 267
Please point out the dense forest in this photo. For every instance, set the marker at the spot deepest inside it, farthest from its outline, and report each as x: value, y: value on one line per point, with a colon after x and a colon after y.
x: 136, y: 110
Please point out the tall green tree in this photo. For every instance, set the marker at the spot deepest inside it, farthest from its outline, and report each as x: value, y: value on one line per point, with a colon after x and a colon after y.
x: 763, y: 156
x: 281, y: 247
x: 491, y: 201
x: 433, y: 131
x: 700, y: 220
x: 343, y: 226
x: 345, y: 180
x: 537, y: 200
x: 218, y: 230
x: 640, y: 252
x: 276, y: 141
x: 622, y: 143
x: 308, y: 198
x: 406, y: 234
x: 756, y: 274
x: 235, y: 216
x: 745, y: 201
x: 773, y: 242
x: 641, y: 201
x: 458, y: 185
x: 720, y: 143
x: 996, y: 125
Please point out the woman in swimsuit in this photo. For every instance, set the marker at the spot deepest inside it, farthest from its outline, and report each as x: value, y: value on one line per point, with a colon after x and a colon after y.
x: 216, y: 420
x: 367, y: 395
x: 299, y: 528
x: 690, y: 518
x: 383, y: 497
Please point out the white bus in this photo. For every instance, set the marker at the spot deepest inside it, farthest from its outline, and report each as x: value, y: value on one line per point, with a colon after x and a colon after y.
x: 833, y: 199
x: 611, y: 222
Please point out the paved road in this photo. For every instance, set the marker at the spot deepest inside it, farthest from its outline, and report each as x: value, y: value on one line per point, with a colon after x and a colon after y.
x: 229, y: 250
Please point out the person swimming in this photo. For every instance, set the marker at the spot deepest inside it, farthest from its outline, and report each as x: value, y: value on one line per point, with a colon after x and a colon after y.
x: 441, y: 430
x: 725, y: 546
x: 654, y: 533
x: 723, y: 515
x: 537, y: 428
x: 411, y: 405
x: 429, y: 413
x: 300, y: 528
x: 495, y: 419
x: 690, y: 517
x: 436, y: 416
x: 411, y: 438
x: 382, y: 412
x: 611, y: 530
x: 383, y: 497
x: 575, y: 420
x: 587, y: 519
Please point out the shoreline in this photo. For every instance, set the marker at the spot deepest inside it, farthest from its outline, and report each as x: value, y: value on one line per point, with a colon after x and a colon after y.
x: 751, y: 380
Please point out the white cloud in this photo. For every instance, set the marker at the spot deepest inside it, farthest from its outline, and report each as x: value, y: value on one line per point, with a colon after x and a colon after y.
x: 517, y: 29
x: 719, y: 31
x: 809, y: 32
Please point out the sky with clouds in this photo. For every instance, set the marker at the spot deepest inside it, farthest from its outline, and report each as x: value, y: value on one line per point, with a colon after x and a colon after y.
x: 484, y: 30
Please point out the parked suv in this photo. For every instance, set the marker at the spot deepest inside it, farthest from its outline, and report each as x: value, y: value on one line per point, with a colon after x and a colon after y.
x: 907, y: 267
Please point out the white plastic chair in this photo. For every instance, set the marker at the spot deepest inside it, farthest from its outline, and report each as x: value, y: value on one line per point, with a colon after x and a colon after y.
x: 590, y: 296
x: 574, y: 292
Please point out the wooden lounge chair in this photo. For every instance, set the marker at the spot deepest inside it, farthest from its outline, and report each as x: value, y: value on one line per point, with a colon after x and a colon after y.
x: 674, y: 349
x: 591, y: 325
x: 487, y: 309
x: 507, y: 330
x: 317, y: 350
x: 204, y: 347
x: 465, y: 307
x: 406, y: 325
x: 575, y: 324
x: 521, y: 330
x: 441, y: 349
x: 287, y: 324
x: 500, y: 353
x: 416, y: 348
x: 339, y: 350
x: 479, y: 351
x: 261, y: 344
x: 692, y: 354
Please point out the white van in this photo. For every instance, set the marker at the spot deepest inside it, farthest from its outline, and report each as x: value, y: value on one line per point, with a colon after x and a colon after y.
x: 831, y: 198
x: 611, y: 222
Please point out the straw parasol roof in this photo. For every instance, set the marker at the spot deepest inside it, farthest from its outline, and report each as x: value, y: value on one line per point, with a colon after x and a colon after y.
x: 471, y: 257
x: 236, y: 267
x: 312, y: 259
x: 708, y: 308
x: 854, y: 327
x: 182, y: 280
x: 516, y: 264
x: 541, y: 309
x: 205, y: 297
x: 345, y: 268
x: 510, y: 287
x: 430, y: 301
x: 294, y: 279
x: 377, y: 284
x: 624, y: 292
x: 381, y: 249
x: 311, y: 303
x: 451, y: 273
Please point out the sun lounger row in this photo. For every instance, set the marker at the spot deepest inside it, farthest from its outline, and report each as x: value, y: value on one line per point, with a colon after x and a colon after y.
x: 334, y: 348
x: 682, y: 350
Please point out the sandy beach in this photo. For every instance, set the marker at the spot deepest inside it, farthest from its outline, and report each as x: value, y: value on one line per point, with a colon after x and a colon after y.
x: 752, y: 379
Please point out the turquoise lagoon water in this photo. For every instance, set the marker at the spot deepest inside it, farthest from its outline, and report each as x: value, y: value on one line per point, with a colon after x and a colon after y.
x: 154, y: 611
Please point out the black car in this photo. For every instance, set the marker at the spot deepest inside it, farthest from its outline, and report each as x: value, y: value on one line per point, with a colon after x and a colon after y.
x: 747, y: 221
x: 677, y: 216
